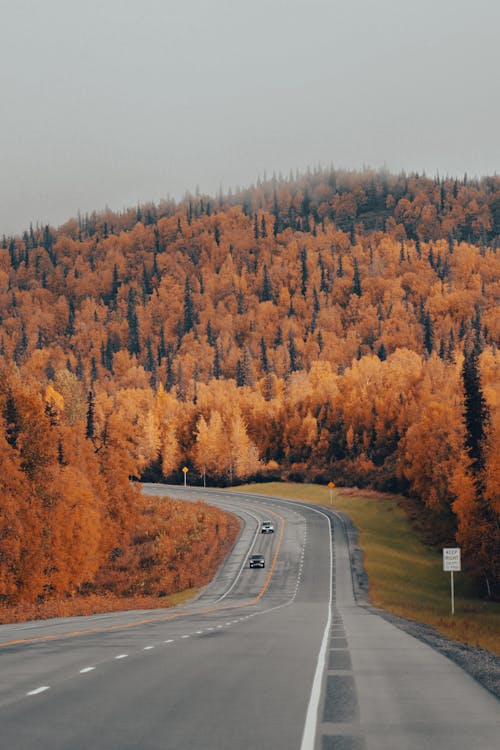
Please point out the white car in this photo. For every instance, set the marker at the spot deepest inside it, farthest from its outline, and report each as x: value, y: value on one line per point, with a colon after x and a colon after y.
x: 267, y: 528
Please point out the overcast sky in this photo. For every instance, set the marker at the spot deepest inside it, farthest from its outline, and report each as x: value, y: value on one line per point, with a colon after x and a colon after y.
x: 114, y: 102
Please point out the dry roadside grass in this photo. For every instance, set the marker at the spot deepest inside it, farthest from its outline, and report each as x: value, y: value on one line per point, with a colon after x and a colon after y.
x: 89, y: 605
x: 405, y: 575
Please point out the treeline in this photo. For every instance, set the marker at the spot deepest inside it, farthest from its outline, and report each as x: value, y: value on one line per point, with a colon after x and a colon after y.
x: 334, y: 325
x: 72, y: 524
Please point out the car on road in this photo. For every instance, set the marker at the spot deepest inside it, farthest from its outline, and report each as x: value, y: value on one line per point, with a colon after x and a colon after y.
x: 267, y: 528
x: 257, y: 561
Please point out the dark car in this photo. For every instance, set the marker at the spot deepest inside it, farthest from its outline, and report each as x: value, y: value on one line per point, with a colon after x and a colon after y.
x: 257, y: 561
x: 267, y: 528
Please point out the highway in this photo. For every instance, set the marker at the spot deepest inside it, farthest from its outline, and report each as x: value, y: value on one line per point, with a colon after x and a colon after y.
x: 271, y: 659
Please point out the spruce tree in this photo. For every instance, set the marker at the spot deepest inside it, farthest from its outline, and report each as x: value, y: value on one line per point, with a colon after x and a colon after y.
x: 189, y: 318
x: 90, y: 424
x: 304, y: 271
x: 356, y: 282
x: 133, y: 324
x: 476, y: 414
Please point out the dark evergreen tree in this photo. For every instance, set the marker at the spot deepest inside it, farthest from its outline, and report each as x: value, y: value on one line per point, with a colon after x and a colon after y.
x: 133, y: 324
x: 240, y: 378
x: 90, y: 422
x: 263, y: 227
x: 267, y: 292
x: 211, y: 338
x: 93, y: 370
x: 147, y: 288
x: 319, y: 339
x: 23, y: 344
x: 70, y: 329
x: 382, y: 352
x: 356, y: 282
x: 292, y: 352
x: 115, y: 285
x: 11, y: 419
x: 108, y: 355
x: 79, y: 371
x: 304, y: 271
x: 255, y: 227
x: 324, y: 286
x: 189, y: 316
x: 217, y: 363
x: 476, y: 414
x: 161, y: 346
x: 428, y: 333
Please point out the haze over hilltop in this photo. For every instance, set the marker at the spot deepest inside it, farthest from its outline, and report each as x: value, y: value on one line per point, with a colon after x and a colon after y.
x: 118, y: 103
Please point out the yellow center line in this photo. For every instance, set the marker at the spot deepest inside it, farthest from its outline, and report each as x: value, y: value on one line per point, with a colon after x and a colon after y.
x: 136, y: 623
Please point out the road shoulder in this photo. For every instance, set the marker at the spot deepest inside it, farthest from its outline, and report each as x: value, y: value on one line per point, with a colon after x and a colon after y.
x: 482, y: 665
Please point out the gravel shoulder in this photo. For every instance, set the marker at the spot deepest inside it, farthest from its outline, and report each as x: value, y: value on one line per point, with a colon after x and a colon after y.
x: 482, y: 665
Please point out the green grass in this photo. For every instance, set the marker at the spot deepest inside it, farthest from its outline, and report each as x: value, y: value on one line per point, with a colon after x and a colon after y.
x: 405, y: 576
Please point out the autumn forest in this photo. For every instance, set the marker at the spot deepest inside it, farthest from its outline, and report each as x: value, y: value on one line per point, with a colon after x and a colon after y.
x: 334, y: 325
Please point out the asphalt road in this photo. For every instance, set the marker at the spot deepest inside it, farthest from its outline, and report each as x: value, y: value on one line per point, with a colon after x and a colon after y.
x: 275, y: 658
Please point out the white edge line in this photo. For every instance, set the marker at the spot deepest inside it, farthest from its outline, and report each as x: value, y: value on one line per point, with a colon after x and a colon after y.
x: 310, y: 726
x: 39, y: 690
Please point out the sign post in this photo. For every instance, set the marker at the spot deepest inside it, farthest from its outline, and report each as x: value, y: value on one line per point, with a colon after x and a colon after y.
x: 451, y: 562
x: 185, y: 470
x: 331, y: 485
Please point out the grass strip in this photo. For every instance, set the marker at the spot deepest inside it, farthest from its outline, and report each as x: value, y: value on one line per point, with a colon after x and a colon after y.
x: 405, y: 575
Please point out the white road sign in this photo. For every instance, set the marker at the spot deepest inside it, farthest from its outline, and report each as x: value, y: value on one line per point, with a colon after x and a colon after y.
x: 451, y: 559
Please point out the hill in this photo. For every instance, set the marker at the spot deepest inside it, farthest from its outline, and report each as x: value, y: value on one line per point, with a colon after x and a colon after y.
x: 336, y: 325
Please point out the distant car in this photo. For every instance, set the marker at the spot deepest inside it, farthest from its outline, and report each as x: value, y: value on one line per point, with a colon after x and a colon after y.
x: 257, y: 561
x: 267, y: 528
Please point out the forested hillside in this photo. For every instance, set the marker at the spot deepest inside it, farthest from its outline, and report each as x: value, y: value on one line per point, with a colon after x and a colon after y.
x: 334, y: 325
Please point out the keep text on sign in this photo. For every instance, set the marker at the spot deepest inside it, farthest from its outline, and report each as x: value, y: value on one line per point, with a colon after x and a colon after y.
x: 451, y: 559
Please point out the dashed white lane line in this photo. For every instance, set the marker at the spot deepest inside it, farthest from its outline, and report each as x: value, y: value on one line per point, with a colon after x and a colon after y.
x: 39, y: 690
x: 43, y: 688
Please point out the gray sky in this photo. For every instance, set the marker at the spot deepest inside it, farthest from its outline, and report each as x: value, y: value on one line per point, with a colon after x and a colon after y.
x: 111, y: 102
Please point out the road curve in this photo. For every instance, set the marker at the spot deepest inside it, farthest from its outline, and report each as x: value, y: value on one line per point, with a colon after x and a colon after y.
x: 275, y: 658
